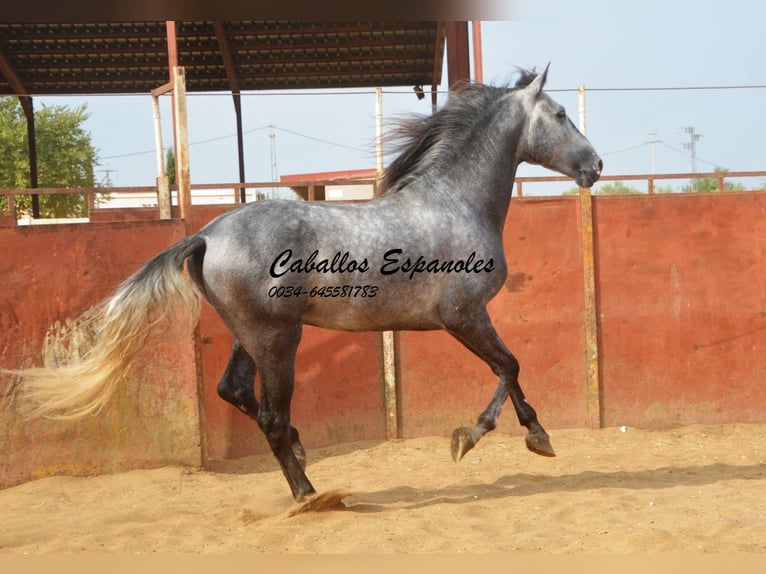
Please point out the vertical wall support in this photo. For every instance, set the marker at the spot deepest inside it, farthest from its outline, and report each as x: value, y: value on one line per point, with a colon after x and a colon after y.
x: 592, y: 369
x: 388, y: 339
x: 177, y: 85
x: 183, y: 182
x: 388, y: 342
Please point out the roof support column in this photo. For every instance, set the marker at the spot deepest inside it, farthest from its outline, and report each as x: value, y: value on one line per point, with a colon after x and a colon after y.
x: 181, y: 139
x: 180, y: 128
x: 29, y: 110
x: 183, y: 184
x: 240, y: 146
x: 231, y: 74
x: 26, y: 104
x: 458, y: 63
x: 478, y: 59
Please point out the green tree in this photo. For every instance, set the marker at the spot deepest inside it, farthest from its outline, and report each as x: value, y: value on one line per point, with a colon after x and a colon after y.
x: 616, y: 188
x: 170, y: 165
x: 710, y: 184
x: 65, y: 156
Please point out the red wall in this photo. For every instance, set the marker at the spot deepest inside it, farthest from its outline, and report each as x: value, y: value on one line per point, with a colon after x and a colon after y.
x: 54, y: 272
x: 680, y: 285
x: 682, y: 304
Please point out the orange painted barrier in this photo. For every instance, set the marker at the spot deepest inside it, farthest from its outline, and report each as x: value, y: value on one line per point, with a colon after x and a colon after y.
x: 52, y: 273
x: 681, y: 318
x: 682, y: 307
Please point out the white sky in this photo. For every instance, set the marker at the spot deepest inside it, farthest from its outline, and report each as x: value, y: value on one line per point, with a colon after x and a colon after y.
x: 607, y: 46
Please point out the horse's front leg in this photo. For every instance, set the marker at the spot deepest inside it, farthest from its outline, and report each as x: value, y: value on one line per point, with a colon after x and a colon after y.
x: 478, y: 335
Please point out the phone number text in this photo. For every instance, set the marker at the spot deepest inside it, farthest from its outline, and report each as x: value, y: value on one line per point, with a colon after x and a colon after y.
x: 325, y: 291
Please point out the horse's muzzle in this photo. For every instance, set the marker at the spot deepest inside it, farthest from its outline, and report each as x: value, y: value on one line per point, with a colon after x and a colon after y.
x: 589, y: 175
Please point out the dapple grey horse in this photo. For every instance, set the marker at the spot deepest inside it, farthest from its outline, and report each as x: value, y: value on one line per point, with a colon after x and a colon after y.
x: 425, y: 254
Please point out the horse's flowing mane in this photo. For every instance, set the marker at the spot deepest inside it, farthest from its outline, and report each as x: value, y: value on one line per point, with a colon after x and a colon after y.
x: 421, y: 138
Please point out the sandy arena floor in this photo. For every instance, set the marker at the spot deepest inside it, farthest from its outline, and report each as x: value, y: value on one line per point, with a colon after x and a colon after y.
x: 698, y: 489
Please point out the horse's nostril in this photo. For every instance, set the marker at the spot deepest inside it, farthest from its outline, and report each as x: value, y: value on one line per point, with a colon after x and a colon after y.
x: 600, y: 165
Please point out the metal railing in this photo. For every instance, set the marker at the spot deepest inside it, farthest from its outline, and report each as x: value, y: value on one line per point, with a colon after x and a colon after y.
x: 650, y: 179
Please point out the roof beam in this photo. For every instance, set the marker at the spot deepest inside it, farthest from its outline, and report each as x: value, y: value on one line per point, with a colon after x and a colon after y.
x: 231, y: 74
x: 228, y: 60
x: 90, y: 58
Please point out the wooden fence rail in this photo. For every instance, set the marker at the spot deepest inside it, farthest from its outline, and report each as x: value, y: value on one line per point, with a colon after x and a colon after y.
x: 8, y: 205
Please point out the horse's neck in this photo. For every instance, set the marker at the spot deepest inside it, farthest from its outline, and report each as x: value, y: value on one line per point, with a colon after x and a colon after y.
x: 480, y: 178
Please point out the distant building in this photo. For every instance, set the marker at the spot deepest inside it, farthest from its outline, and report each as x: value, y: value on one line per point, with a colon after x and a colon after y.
x: 332, y: 185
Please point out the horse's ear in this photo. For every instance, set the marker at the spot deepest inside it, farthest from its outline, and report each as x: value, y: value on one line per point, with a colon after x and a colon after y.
x: 537, y: 84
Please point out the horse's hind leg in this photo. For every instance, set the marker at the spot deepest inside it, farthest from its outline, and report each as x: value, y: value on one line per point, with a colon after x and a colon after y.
x: 478, y: 335
x: 236, y: 387
x: 274, y: 348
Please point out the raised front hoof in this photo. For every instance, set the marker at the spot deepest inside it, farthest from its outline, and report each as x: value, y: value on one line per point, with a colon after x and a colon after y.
x: 540, y: 443
x: 462, y: 441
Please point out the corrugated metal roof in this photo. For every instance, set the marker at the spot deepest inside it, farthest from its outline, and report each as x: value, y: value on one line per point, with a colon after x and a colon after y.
x: 130, y: 57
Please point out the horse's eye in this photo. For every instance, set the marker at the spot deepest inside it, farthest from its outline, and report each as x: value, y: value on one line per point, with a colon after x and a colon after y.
x: 561, y: 114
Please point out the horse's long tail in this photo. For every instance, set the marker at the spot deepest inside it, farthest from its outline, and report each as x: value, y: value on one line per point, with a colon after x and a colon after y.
x: 140, y: 312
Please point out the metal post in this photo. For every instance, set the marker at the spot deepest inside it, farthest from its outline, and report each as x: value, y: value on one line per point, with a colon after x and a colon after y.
x: 29, y: 110
x: 163, y: 187
x: 240, y: 147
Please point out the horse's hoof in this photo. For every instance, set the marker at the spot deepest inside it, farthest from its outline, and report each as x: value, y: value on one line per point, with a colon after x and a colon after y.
x: 313, y: 502
x: 462, y: 442
x: 540, y: 443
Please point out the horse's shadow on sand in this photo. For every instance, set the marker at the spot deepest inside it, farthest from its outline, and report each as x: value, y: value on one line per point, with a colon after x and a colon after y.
x: 524, y: 484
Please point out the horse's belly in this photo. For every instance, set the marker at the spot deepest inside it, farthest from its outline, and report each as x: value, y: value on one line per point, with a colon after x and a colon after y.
x: 345, y: 316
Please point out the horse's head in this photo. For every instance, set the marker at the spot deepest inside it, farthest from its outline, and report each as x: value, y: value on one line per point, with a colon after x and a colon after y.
x: 552, y: 140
